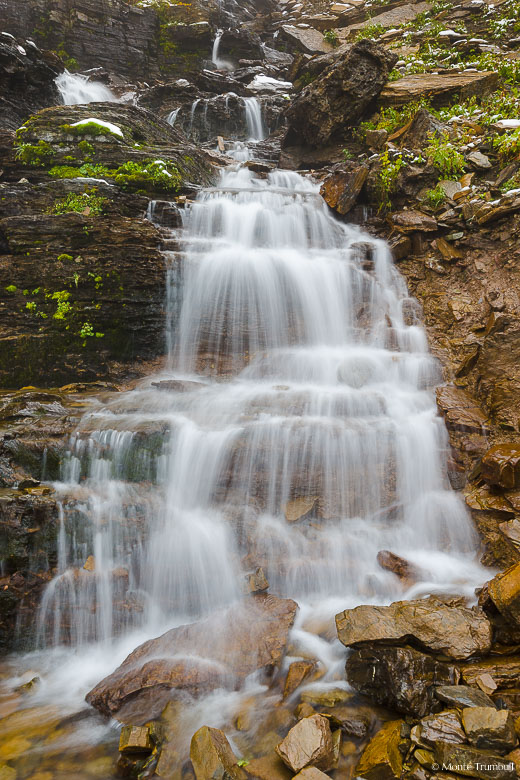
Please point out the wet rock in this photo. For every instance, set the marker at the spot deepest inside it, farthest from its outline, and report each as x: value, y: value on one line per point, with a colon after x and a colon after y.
x: 311, y: 773
x: 472, y: 762
x: 309, y: 742
x: 440, y: 88
x: 220, y: 651
x: 479, y: 160
x: 381, y: 759
x: 269, y: 767
x: 298, y: 672
x: 135, y: 739
x: 27, y: 81
x: 400, y: 678
x: 212, y: 757
x: 462, y: 696
x: 460, y: 410
x: 489, y: 728
x: 504, y: 591
x: 402, y: 568
x: 445, y: 727
x: 501, y: 466
x: 457, y: 632
x: 299, y: 508
x: 341, y: 189
x: 376, y: 138
x: 178, y: 385
x: 256, y: 581
x: 409, y: 221
x: 340, y: 95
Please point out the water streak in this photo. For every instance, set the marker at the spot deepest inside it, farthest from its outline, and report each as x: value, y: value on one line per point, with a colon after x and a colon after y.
x: 77, y: 89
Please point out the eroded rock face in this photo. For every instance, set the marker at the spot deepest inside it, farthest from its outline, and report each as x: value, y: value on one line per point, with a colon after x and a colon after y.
x: 340, y: 95
x: 27, y: 81
x: 220, y: 651
x: 400, y: 678
x: 457, y: 632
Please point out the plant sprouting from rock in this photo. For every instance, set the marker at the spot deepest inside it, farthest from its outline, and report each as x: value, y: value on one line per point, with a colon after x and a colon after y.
x: 444, y: 157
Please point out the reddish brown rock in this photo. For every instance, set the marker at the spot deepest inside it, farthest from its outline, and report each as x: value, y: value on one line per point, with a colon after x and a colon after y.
x: 212, y: 757
x: 307, y: 743
x: 501, y: 466
x: 341, y: 189
x: 504, y: 591
x: 402, y: 568
x: 298, y: 672
x: 439, y: 88
x: 410, y: 221
x: 219, y: 651
x: 381, y: 759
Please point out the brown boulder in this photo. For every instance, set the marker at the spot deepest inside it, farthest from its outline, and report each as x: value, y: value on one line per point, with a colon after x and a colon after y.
x: 212, y: 757
x: 299, y: 508
x: 501, y: 466
x: 457, y: 632
x: 309, y: 742
x: 402, y: 568
x: 460, y: 410
x: 341, y: 188
x: 438, y: 87
x: 381, y: 759
x: 463, y: 696
x: 410, y: 221
x: 490, y: 728
x: 400, y: 678
x: 340, y: 95
x: 297, y: 673
x: 504, y: 591
x: 445, y: 726
x: 220, y: 651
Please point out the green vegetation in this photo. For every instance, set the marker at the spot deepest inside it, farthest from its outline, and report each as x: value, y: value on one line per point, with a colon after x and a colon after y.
x: 159, y: 174
x: 370, y: 31
x: 11, y: 288
x: 85, y: 202
x: 64, y: 258
x: 508, y: 145
x: 435, y: 197
x: 91, y: 128
x: 331, y: 36
x: 37, y: 155
x: 442, y: 154
x: 387, y: 177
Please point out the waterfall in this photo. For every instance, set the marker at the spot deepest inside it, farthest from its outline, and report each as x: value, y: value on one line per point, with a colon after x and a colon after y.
x: 75, y: 88
x: 172, y: 116
x: 215, y: 59
x: 255, y: 124
x: 327, y: 401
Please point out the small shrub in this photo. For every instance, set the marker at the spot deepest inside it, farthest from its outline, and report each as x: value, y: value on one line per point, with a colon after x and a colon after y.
x: 508, y: 145
x: 435, y: 197
x: 387, y: 178
x: 331, y: 36
x: 442, y: 155
x: 87, y: 201
x: 37, y: 155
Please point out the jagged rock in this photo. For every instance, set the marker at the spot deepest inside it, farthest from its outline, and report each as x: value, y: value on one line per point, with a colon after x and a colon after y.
x: 504, y: 670
x: 489, y: 728
x: 381, y: 759
x: 306, y: 39
x: 460, y: 410
x: 501, y: 466
x: 26, y: 81
x: 440, y: 88
x: 462, y: 696
x: 310, y: 773
x: 410, y: 221
x: 297, y: 673
x: 256, y: 581
x: 212, y: 757
x: 341, y: 189
x: 457, y: 632
x: 223, y: 647
x: 376, y: 138
x: 299, y: 508
x: 340, y: 95
x: 309, y: 742
x: 400, y: 678
x: 479, y: 160
x: 504, y: 591
x: 135, y: 739
x: 446, y: 727
x: 472, y: 762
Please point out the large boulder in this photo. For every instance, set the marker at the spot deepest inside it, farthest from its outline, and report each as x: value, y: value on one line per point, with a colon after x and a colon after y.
x: 400, y: 678
x: 490, y: 728
x: 504, y: 591
x: 220, y: 651
x: 27, y: 80
x: 308, y: 743
x: 340, y: 95
x: 439, y: 88
x: 454, y: 631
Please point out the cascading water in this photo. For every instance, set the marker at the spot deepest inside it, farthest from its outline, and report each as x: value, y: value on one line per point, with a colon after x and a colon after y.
x: 77, y: 89
x: 215, y: 59
x: 172, y: 491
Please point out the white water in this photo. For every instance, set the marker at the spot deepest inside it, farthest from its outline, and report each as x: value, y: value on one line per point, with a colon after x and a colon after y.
x: 215, y: 59
x: 325, y: 390
x: 77, y: 89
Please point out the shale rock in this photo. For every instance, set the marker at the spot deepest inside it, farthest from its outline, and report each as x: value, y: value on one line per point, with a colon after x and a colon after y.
x: 341, y: 188
x: 381, y: 759
x: 212, y: 757
x: 504, y: 591
x: 462, y: 696
x: 457, y: 632
x: 437, y: 87
x: 400, y: 678
x: 501, y: 466
x: 340, y: 95
x: 309, y: 742
x: 310, y: 773
x: 217, y: 652
x: 26, y: 81
x: 446, y: 727
x: 472, y: 762
x: 490, y: 728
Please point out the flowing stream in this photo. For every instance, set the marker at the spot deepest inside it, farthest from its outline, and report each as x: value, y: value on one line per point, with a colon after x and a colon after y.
x: 298, y: 376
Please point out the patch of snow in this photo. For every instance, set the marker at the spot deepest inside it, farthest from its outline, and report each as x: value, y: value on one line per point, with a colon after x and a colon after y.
x: 109, y: 126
